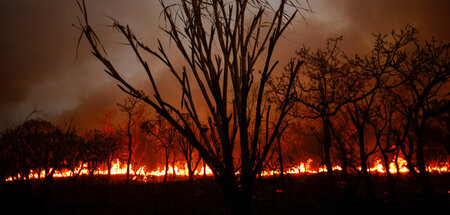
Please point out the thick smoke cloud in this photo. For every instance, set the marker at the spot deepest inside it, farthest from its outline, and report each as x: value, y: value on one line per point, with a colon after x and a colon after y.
x: 38, y: 62
x: 357, y: 20
x: 39, y: 66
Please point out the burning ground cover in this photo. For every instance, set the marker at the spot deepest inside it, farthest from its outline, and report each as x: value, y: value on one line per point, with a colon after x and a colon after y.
x: 304, y: 190
x: 142, y: 174
x: 218, y: 117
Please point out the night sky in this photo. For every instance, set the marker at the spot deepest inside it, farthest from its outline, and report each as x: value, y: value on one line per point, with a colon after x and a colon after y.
x: 39, y: 66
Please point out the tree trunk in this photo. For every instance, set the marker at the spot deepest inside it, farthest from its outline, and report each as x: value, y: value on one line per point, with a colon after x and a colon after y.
x: 109, y: 169
x: 238, y: 198
x: 245, y: 203
x: 423, y: 174
x: 39, y: 172
x: 167, y: 165
x: 204, y: 168
x: 49, y: 177
x: 280, y: 158
x: 363, y: 158
x: 408, y: 157
x: 188, y: 158
x: 396, y: 163
x: 190, y: 173
x: 109, y: 165
x: 174, y: 173
x: 345, y: 172
x: 327, y: 151
x: 409, y: 164
x: 391, y: 196
x: 130, y: 150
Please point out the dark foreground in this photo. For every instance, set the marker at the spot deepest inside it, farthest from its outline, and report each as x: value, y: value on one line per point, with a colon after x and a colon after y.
x: 303, y: 195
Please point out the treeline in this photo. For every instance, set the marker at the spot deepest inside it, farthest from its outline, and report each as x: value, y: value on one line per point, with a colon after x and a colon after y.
x: 38, y: 148
x: 391, y: 103
x: 224, y: 61
x: 346, y: 111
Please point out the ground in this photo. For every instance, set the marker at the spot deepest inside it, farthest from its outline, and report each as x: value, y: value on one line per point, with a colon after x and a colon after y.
x: 302, y: 195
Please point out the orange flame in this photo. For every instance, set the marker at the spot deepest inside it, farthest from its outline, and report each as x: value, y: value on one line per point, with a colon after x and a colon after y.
x: 142, y: 174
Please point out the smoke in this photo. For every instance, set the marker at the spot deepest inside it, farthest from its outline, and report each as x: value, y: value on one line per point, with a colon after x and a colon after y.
x: 39, y: 66
x: 38, y: 62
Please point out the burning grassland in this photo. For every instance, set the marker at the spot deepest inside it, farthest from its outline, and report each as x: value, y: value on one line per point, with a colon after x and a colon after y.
x: 143, y: 174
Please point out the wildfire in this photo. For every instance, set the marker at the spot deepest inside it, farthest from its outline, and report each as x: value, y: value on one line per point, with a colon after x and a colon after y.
x: 142, y: 174
x: 302, y: 168
x: 402, y: 166
x: 117, y: 168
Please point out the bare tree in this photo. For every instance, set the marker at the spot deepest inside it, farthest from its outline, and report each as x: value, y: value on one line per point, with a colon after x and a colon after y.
x: 417, y: 76
x: 221, y: 42
x: 381, y: 64
x: 112, y: 139
x: 380, y: 123
x: 188, y: 153
x: 92, y: 150
x: 74, y: 148
x: 346, y: 146
x: 424, y: 75
x: 374, y: 73
x: 328, y: 85
x: 129, y: 107
x: 166, y: 135
x: 360, y: 113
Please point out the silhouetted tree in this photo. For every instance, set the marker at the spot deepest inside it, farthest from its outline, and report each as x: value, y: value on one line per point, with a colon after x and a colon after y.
x: 417, y: 75
x: 374, y: 72
x: 381, y: 64
x: 346, y: 145
x: 438, y: 138
x: 10, y: 160
x: 40, y: 142
x: 165, y: 134
x: 130, y: 108
x: 221, y: 42
x: 93, y: 150
x: 424, y: 75
x: 18, y: 153
x: 327, y: 86
x: 34, y: 147
x: 188, y: 153
x: 380, y: 123
x: 360, y: 113
x: 113, y: 139
x: 74, y: 151
x: 280, y: 158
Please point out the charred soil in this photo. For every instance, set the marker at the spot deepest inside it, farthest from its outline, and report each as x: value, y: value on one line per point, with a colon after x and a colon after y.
x: 303, y: 194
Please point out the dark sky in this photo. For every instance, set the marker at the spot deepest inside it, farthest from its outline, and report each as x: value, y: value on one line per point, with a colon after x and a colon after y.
x: 39, y: 67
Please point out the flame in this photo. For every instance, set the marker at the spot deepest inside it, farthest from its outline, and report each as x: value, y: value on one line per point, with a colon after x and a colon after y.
x: 142, y: 174
x: 302, y: 168
x: 117, y: 168
x: 402, y: 166
x: 378, y: 167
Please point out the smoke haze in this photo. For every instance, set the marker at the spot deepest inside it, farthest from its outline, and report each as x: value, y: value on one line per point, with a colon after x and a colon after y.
x: 39, y: 66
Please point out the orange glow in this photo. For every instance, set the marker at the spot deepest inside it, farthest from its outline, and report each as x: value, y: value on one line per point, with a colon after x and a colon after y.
x: 118, y: 168
x: 378, y: 167
x: 142, y: 174
x: 402, y: 166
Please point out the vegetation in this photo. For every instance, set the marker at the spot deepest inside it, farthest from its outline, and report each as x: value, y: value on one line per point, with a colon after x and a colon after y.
x: 336, y: 109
